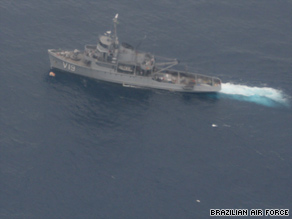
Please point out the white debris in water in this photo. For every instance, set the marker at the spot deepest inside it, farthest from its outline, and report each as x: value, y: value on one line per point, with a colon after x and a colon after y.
x: 214, y: 125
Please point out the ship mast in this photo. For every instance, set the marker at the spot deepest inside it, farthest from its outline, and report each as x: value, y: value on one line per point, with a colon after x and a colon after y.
x: 115, y: 29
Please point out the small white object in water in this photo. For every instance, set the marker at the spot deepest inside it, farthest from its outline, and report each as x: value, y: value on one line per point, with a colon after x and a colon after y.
x: 214, y: 125
x: 198, y: 200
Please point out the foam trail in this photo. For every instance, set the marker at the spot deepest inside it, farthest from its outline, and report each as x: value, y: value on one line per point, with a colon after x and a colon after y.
x: 261, y: 95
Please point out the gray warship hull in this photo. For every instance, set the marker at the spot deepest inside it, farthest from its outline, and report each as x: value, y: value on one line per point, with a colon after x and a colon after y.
x: 123, y: 64
x: 108, y: 73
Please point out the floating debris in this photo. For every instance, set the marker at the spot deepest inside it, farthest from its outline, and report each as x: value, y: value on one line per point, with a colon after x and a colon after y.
x: 198, y: 200
x: 52, y: 74
x: 214, y: 125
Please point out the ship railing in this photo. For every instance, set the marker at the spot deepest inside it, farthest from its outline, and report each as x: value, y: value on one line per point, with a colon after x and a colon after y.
x: 201, y: 79
x: 186, y: 79
x: 57, y: 50
x: 89, y: 47
x: 105, y: 64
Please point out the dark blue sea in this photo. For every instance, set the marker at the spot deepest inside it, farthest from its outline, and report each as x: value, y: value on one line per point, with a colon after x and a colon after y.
x: 73, y: 147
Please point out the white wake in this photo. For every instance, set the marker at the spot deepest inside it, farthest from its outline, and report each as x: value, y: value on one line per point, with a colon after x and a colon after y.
x: 262, y: 95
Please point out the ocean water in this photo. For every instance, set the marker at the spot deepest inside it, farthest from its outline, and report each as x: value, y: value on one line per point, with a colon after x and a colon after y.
x: 72, y: 147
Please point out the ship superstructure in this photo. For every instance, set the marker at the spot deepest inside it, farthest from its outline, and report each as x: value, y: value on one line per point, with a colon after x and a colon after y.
x: 121, y: 63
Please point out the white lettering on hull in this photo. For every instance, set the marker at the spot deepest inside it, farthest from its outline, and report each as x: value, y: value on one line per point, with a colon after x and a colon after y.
x: 69, y: 66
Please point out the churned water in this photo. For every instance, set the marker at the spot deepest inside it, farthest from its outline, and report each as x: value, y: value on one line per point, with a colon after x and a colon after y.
x: 266, y: 96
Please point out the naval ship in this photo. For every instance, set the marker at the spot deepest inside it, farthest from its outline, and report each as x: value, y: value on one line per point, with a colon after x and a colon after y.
x: 123, y: 64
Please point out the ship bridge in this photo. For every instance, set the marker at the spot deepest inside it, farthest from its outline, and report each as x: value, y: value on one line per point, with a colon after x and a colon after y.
x: 104, y: 44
